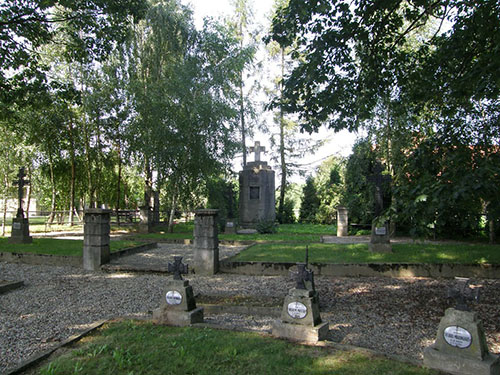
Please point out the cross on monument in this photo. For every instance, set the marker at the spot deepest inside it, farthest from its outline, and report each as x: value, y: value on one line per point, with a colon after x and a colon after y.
x: 257, y: 149
x: 378, y: 179
x: 20, y: 182
x: 463, y: 293
x: 177, y: 268
x: 302, y: 276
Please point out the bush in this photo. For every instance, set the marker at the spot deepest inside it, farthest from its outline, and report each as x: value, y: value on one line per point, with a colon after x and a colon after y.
x: 266, y: 227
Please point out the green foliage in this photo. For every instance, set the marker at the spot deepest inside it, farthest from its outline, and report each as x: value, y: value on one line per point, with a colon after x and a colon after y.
x: 222, y: 195
x: 266, y: 227
x: 287, y: 215
x: 141, y: 347
x: 330, y: 187
x: 310, y: 202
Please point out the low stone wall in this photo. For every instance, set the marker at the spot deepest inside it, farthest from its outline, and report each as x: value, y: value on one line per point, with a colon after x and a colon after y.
x: 485, y: 271
x: 64, y: 260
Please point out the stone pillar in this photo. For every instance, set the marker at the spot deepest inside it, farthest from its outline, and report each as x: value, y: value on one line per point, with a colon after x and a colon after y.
x: 96, y: 230
x: 206, y: 242
x: 146, y: 216
x: 20, y: 232
x: 342, y: 221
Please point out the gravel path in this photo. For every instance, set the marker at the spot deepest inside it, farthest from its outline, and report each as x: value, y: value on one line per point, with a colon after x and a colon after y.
x: 395, y: 316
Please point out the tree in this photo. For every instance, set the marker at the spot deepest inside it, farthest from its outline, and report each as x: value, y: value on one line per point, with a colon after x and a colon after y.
x: 310, y: 202
x: 330, y: 188
x: 355, y: 57
x: 91, y: 27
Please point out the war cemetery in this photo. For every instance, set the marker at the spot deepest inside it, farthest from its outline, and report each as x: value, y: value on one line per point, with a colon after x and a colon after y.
x: 317, y: 192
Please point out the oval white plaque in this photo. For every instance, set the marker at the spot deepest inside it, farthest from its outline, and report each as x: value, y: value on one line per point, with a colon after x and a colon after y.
x: 297, y: 310
x: 174, y: 297
x: 458, y: 337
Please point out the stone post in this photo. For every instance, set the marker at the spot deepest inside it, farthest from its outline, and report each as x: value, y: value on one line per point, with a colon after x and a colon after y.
x: 20, y: 232
x: 206, y: 242
x: 342, y: 221
x: 96, y: 230
x: 380, y: 240
x: 146, y: 216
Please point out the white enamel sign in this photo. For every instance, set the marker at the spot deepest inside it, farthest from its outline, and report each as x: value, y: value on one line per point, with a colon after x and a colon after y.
x: 458, y: 337
x: 297, y: 310
x: 381, y: 231
x: 174, y: 297
x: 16, y: 226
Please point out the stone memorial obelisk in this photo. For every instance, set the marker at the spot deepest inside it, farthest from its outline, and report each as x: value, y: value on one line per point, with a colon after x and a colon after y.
x: 460, y: 347
x: 380, y: 240
x: 178, y: 306
x: 300, y: 317
x: 20, y: 232
x: 257, y: 201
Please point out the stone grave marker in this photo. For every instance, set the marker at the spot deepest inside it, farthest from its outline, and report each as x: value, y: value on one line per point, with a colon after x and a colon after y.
x: 20, y: 232
x: 146, y: 219
x: 460, y: 347
x: 380, y: 240
x: 300, y: 317
x: 230, y: 227
x: 178, y: 305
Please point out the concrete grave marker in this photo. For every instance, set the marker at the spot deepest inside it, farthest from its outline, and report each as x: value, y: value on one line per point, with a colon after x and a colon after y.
x: 300, y: 317
x: 342, y: 221
x: 178, y: 306
x: 96, y: 229
x: 460, y: 347
x: 206, y: 242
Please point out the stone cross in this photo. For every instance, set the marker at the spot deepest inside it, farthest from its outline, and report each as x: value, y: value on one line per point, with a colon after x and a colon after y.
x: 20, y: 182
x: 462, y: 293
x: 257, y: 149
x: 178, y: 268
x: 378, y: 179
x: 302, y: 276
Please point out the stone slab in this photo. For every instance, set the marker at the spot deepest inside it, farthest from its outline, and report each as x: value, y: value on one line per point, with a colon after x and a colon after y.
x: 247, y: 231
x: 457, y: 365
x: 177, y: 318
x: 298, y: 332
x: 206, y: 261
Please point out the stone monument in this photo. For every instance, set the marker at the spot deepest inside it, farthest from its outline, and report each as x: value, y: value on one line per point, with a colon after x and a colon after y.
x: 20, y: 225
x: 300, y: 317
x: 460, y: 347
x: 178, y: 304
x: 206, y: 242
x: 96, y: 228
x: 342, y: 221
x: 257, y: 193
x: 380, y: 240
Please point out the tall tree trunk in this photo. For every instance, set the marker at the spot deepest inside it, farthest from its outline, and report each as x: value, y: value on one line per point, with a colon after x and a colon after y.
x: 89, y: 167
x: 118, y: 184
x: 28, y: 193
x: 73, y: 175
x: 53, y: 186
x: 148, y: 183
x: 172, y: 213
x: 4, y: 213
x: 281, y: 206
x: 242, y: 117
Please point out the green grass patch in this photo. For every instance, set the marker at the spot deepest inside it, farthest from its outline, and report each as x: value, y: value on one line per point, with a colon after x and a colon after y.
x: 359, y: 253
x: 142, y: 348
x: 51, y: 246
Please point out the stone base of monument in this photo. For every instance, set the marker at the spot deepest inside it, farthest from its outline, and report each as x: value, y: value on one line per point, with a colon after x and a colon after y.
x: 380, y: 240
x: 178, y: 306
x: 20, y: 231
x: 300, y: 319
x: 460, y: 346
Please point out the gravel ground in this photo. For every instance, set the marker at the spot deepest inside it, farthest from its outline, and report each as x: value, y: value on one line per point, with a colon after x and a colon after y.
x: 395, y: 316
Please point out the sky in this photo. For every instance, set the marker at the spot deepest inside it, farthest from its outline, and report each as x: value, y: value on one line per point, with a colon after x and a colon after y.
x: 340, y: 143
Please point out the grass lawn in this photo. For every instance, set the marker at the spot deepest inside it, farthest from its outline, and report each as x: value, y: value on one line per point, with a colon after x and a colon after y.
x: 359, y: 253
x: 142, y: 348
x: 58, y: 247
